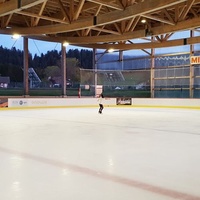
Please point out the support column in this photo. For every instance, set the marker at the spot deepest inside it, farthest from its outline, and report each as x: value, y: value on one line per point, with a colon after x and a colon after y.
x: 191, y: 68
x: 121, y: 59
x: 152, y: 71
x: 63, y: 69
x: 95, y: 71
x: 25, y: 67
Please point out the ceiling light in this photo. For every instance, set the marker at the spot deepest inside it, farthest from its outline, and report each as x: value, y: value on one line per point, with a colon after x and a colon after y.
x: 65, y: 44
x: 16, y: 36
x: 143, y: 21
x: 110, y: 50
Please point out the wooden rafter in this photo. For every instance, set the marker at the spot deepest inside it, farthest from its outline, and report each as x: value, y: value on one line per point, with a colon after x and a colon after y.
x: 109, y: 4
x: 71, y: 10
x: 63, y: 10
x: 186, y: 9
x: 117, y: 27
x: 171, y: 43
x: 106, y: 31
x: 137, y: 19
x: 42, y: 17
x: 193, y: 12
x: 40, y: 13
x: 130, y: 12
x: 167, y: 36
x: 137, y: 10
x: 130, y: 22
x: 5, y: 21
x: 159, y: 19
x: 99, y: 21
x: 78, y: 10
x: 10, y: 7
x: 98, y: 10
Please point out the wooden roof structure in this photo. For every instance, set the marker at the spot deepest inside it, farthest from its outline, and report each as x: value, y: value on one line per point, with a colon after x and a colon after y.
x: 102, y: 24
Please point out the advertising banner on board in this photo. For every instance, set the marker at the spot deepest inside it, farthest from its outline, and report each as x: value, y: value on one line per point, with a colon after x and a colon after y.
x: 194, y: 60
x: 123, y: 101
x: 18, y: 102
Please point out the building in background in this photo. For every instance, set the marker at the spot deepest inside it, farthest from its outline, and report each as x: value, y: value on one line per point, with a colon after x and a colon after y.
x: 4, y: 81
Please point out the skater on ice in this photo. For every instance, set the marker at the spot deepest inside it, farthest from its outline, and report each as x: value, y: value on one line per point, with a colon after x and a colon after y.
x: 100, y: 100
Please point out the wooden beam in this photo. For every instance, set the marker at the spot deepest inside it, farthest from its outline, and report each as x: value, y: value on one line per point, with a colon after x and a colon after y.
x: 40, y: 13
x: 106, y: 30
x: 167, y: 36
x: 128, y: 26
x: 43, y: 17
x: 5, y: 21
x: 90, y: 5
x: 129, y: 12
x: 168, y: 16
x: 98, y: 10
x: 108, y: 3
x: 186, y: 10
x: 136, y: 10
x: 158, y: 19
x: 153, y: 44
x: 71, y: 10
x: 171, y: 43
x: 63, y: 10
x: 183, y: 25
x: 13, y: 6
x: 137, y: 19
x: 78, y: 10
x: 180, y: 26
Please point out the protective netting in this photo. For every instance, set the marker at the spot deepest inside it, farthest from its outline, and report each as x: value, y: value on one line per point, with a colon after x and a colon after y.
x: 168, y: 82
x: 172, y: 78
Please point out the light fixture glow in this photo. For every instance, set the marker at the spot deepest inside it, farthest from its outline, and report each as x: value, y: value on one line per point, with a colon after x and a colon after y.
x: 143, y: 21
x: 16, y: 36
x: 110, y: 50
x: 65, y: 44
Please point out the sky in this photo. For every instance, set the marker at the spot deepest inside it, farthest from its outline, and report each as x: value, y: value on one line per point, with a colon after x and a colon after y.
x: 35, y: 46
x: 38, y: 47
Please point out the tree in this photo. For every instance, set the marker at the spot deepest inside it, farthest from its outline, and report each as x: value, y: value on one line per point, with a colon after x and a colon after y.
x: 84, y: 56
x: 11, y: 63
x: 73, y: 70
x: 52, y: 71
x: 86, y: 59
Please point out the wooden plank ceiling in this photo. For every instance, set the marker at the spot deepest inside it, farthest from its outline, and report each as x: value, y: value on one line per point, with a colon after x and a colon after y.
x: 100, y: 23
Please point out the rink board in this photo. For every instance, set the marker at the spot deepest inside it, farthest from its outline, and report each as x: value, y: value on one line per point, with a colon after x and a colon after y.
x: 93, y: 102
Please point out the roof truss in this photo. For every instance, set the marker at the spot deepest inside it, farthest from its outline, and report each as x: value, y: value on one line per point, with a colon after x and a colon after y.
x: 89, y: 23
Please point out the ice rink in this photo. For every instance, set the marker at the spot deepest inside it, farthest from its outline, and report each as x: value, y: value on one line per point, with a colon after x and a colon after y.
x: 77, y: 154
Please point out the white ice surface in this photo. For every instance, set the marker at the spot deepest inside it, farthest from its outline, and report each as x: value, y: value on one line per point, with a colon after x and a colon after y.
x: 78, y: 154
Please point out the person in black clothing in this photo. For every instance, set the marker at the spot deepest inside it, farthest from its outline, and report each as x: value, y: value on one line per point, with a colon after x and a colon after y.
x: 101, y: 107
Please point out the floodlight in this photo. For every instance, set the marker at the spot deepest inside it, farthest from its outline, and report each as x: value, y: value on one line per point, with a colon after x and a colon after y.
x: 16, y: 36
x: 143, y: 21
x: 110, y: 50
x: 65, y: 44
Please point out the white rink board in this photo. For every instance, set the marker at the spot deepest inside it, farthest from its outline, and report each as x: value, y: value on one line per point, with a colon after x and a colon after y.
x: 166, y: 102
x: 78, y: 102
x: 53, y: 102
